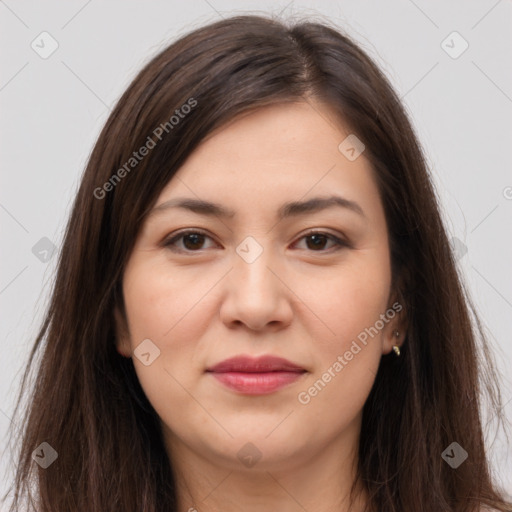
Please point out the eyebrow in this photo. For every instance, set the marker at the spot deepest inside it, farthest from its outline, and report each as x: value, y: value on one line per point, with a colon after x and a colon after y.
x: 291, y: 209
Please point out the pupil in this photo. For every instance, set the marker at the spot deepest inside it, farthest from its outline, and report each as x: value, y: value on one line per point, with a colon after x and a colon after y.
x: 194, y: 238
x: 316, y: 239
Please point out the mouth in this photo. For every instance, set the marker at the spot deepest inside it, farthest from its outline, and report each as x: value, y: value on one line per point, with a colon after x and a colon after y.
x: 256, y: 376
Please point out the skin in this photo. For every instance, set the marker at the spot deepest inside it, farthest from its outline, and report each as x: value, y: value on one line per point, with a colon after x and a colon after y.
x: 297, y: 300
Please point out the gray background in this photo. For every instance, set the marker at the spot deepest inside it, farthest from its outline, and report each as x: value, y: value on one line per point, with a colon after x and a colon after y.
x: 53, y: 109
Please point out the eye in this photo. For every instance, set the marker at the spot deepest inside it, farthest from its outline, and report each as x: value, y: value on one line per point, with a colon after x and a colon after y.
x: 193, y: 241
x: 319, y: 238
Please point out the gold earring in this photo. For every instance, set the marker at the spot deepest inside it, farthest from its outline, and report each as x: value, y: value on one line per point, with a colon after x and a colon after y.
x: 396, y: 348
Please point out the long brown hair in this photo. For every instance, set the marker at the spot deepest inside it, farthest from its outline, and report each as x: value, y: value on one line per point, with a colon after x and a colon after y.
x: 86, y: 401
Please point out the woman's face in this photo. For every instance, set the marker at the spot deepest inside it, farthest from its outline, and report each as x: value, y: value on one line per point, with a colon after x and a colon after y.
x: 255, y: 282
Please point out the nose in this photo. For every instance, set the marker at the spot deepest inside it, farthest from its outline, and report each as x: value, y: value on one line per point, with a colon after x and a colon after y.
x: 256, y: 294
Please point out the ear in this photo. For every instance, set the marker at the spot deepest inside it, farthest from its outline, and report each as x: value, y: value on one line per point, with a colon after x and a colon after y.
x: 395, y: 329
x: 123, y: 344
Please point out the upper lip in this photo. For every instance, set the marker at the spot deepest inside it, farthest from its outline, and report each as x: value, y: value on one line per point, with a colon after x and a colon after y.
x: 247, y: 364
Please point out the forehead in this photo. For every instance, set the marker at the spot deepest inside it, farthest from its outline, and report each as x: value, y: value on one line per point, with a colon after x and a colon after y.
x: 274, y: 136
x: 279, y: 153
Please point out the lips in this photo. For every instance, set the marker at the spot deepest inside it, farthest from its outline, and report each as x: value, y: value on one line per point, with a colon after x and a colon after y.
x: 256, y: 376
x: 255, y: 365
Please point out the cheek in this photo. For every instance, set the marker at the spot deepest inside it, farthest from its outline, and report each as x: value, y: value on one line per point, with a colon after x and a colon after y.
x: 173, y: 310
x: 347, y: 301
x: 351, y: 304
x: 160, y: 303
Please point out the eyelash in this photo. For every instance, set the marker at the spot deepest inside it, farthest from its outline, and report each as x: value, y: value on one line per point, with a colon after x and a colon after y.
x: 170, y: 241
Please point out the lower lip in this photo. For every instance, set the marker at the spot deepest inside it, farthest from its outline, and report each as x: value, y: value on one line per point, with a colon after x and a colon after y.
x: 257, y: 383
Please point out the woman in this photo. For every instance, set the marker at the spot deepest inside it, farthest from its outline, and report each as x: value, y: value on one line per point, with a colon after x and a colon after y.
x: 256, y: 306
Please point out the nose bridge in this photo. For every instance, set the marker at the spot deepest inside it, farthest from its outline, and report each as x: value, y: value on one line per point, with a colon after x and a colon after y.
x: 252, y: 262
x: 255, y: 296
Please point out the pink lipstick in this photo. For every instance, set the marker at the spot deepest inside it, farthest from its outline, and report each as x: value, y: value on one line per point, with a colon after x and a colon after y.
x: 256, y: 376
